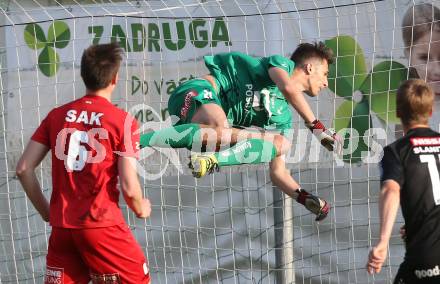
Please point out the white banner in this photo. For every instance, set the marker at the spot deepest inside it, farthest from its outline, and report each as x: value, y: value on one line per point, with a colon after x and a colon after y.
x: 43, y: 58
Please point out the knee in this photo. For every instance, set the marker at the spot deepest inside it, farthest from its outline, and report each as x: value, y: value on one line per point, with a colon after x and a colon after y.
x: 220, y: 124
x: 282, y: 145
x: 211, y: 115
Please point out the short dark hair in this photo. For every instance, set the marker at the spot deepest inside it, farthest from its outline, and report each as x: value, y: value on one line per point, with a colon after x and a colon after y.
x: 99, y: 64
x: 418, y: 21
x: 414, y: 102
x: 306, y: 51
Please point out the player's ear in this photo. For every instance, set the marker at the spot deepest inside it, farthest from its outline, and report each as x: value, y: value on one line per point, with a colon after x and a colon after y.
x: 115, y: 78
x: 308, y: 68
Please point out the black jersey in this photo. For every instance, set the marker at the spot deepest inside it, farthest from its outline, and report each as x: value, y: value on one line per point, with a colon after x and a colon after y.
x: 413, y: 161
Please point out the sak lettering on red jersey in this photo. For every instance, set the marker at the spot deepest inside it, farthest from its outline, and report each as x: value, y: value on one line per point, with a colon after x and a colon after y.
x: 84, y: 117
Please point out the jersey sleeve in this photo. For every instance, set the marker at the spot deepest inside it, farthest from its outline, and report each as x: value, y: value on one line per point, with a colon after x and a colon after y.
x: 281, y: 62
x: 42, y: 134
x: 390, y: 167
x: 130, y: 140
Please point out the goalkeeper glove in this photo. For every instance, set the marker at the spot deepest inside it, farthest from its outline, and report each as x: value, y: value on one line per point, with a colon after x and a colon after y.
x: 329, y: 139
x: 314, y: 204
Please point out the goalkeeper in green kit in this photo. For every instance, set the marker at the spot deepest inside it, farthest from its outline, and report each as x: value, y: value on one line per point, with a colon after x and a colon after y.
x: 244, y: 91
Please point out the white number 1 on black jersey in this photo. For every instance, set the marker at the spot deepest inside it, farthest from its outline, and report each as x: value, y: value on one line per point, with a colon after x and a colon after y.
x: 433, y: 173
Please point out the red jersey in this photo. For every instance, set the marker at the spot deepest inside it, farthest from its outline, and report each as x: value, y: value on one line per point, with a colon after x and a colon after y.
x: 86, y: 138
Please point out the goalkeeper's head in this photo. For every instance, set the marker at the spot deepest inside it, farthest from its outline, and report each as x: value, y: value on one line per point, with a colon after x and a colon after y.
x: 414, y: 102
x: 100, y: 65
x: 311, y: 62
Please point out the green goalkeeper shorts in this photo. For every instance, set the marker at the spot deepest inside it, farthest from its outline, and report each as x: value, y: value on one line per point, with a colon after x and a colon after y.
x: 187, y: 97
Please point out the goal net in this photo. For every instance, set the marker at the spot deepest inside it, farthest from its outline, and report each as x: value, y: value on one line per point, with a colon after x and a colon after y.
x: 233, y: 226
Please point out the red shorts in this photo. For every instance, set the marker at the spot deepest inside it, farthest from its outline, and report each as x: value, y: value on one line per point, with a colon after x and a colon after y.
x: 102, y: 255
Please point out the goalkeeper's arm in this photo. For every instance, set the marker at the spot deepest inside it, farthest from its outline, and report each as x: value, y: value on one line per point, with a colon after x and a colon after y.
x: 330, y: 140
x: 293, y: 96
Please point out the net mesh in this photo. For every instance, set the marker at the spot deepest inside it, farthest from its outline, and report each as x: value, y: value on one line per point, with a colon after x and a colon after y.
x: 227, y: 227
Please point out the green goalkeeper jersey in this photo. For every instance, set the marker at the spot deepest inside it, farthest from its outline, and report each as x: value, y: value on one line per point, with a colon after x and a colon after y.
x: 247, y: 93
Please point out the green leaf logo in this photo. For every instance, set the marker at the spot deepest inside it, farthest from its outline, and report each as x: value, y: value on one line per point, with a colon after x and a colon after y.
x: 58, y: 36
x: 364, y: 93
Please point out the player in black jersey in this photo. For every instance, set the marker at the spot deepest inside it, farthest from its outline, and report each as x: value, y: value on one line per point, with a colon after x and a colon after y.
x: 410, y: 174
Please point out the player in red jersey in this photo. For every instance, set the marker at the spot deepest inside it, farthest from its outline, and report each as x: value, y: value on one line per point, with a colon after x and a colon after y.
x: 92, y: 142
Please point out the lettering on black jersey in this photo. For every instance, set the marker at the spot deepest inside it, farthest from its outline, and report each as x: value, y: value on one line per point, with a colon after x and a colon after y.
x: 423, y: 145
